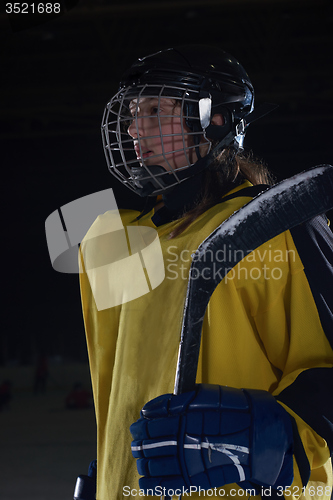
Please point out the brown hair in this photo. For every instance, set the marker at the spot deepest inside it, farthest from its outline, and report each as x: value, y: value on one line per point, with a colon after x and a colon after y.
x: 228, y: 170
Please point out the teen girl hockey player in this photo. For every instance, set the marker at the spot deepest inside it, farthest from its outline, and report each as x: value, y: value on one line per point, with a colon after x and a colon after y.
x: 259, y: 420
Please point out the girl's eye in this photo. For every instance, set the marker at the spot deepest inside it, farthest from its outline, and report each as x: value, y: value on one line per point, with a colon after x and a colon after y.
x: 154, y: 110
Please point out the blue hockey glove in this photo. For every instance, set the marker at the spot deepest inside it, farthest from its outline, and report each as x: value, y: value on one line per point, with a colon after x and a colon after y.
x: 211, y: 437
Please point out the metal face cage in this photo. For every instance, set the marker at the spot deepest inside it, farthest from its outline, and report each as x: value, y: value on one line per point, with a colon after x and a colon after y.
x: 126, y: 155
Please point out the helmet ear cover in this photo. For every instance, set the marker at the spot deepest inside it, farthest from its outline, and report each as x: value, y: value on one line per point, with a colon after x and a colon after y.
x: 205, y: 111
x: 231, y: 107
x: 216, y: 132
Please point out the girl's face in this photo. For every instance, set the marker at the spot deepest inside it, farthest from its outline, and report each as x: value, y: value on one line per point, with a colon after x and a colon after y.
x: 160, y: 133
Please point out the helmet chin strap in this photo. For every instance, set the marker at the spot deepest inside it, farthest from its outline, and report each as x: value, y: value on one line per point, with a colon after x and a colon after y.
x: 144, y: 185
x: 165, y: 183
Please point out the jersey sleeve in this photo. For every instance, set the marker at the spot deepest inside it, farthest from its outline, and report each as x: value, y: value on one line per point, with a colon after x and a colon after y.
x: 309, y: 397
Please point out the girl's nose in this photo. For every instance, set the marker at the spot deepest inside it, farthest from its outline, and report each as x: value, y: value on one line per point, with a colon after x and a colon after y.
x: 132, y: 130
x: 135, y: 128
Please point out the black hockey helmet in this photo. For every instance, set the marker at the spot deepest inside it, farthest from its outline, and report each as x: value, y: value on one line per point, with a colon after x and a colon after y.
x: 204, y: 72
x: 206, y: 81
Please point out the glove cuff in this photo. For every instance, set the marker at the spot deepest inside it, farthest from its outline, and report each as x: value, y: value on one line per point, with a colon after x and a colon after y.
x: 271, y: 441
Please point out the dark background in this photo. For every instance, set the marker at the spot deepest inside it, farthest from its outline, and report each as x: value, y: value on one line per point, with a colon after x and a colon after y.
x: 58, y: 72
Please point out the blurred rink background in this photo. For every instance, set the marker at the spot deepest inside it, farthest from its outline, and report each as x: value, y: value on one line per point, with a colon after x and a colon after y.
x: 44, y: 445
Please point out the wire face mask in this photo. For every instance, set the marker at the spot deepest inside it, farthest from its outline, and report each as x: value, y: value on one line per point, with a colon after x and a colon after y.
x: 152, y: 134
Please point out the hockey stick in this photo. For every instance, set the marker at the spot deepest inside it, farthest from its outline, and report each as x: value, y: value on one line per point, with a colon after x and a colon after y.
x: 277, y: 209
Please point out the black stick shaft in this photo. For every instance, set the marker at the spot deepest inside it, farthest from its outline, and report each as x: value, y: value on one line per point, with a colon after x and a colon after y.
x: 279, y: 208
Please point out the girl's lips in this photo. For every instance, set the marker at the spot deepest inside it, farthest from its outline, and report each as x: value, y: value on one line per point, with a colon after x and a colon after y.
x: 144, y: 155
